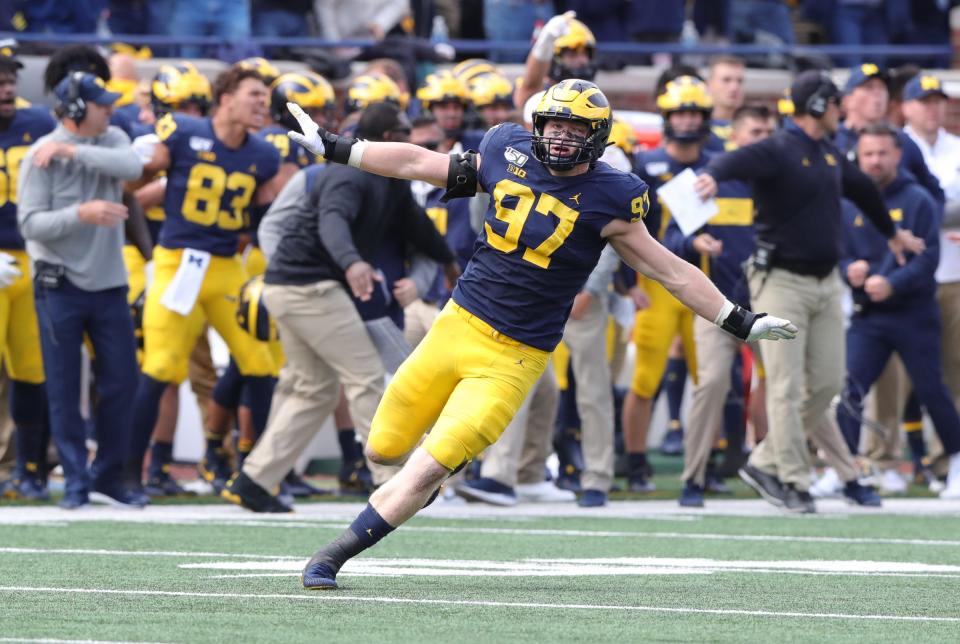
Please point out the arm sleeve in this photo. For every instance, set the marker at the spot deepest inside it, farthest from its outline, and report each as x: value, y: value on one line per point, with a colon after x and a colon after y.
x: 420, y: 232
x: 602, y: 274
x: 757, y: 161
x: 114, y: 157
x: 37, y: 221
x: 920, y: 269
x: 340, y: 204
x: 859, y: 188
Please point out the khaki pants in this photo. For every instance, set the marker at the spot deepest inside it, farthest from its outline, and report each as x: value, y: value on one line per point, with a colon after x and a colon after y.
x: 716, y: 352
x: 202, y: 374
x: 803, y: 375
x: 586, y: 340
x: 519, y: 454
x: 948, y: 297
x: 418, y: 317
x: 326, y: 344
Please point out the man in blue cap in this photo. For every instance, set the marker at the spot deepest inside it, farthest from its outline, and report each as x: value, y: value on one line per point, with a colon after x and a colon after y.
x: 865, y: 99
x: 71, y: 216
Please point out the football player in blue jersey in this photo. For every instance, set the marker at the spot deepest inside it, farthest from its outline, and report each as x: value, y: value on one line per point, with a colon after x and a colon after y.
x: 215, y: 172
x: 19, y: 334
x: 175, y: 88
x: 554, y: 208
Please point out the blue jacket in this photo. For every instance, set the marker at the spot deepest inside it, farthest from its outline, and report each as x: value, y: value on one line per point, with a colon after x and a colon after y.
x: 912, y: 208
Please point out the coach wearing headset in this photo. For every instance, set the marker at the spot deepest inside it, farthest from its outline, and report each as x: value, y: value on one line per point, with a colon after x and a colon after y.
x: 71, y: 216
x: 799, y: 177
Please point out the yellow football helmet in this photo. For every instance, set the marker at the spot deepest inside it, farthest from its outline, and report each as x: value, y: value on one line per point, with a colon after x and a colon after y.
x: 575, y: 100
x: 685, y: 93
x: 578, y: 38
x: 491, y: 89
x: 368, y: 89
x: 785, y: 104
x: 623, y: 136
x: 473, y: 69
x: 252, y: 314
x: 308, y: 90
x: 177, y: 85
x: 443, y: 87
x: 268, y: 72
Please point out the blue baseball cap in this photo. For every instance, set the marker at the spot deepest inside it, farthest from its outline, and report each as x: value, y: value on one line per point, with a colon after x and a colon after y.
x: 861, y: 74
x: 89, y: 87
x: 921, y: 86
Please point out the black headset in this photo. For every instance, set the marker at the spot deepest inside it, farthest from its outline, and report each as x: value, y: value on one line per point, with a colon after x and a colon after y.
x: 74, y: 107
x: 816, y: 105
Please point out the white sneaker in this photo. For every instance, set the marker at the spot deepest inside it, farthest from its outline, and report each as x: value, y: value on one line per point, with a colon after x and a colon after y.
x: 952, y: 491
x: 891, y: 482
x: 827, y: 486
x: 543, y: 492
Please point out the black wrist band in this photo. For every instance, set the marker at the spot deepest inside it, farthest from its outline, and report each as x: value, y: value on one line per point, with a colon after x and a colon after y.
x: 740, y: 321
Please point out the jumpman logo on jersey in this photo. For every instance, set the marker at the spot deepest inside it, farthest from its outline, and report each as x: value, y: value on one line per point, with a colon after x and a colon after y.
x: 519, y: 362
x: 370, y: 532
x: 575, y: 198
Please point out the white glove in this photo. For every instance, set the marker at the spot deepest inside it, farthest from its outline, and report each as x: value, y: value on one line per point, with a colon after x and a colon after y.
x: 555, y: 27
x: 9, y: 272
x: 769, y: 327
x: 311, y: 138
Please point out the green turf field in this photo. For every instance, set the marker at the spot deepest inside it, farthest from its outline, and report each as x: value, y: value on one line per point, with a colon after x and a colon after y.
x: 630, y: 572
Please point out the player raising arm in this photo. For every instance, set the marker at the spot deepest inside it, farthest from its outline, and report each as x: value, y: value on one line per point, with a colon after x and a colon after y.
x: 553, y: 209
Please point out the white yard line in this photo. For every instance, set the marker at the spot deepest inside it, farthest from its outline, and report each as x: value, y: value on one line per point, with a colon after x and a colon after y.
x: 334, y: 597
x: 640, y: 510
x: 47, y: 640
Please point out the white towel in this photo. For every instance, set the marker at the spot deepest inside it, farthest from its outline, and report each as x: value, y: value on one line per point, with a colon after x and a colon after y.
x: 182, y: 291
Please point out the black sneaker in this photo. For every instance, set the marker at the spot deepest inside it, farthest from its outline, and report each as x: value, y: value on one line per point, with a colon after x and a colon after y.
x: 672, y: 444
x: 691, y: 496
x: 640, y: 484
x: 243, y: 491
x: 118, y: 496
x: 299, y: 488
x: 798, y: 501
x: 215, y: 468
x: 355, y: 478
x: 162, y: 484
x: 864, y: 495
x: 766, y: 485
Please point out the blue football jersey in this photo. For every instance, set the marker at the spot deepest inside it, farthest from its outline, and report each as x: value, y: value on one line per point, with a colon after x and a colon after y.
x: 28, y: 125
x: 209, y: 186
x: 290, y: 151
x: 541, y: 237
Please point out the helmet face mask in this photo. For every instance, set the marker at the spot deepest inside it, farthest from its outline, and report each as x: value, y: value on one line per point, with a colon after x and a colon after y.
x: 574, y: 100
x: 566, y: 62
x: 685, y: 94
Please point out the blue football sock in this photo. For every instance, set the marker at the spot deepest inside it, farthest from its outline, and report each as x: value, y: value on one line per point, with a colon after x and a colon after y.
x: 675, y: 381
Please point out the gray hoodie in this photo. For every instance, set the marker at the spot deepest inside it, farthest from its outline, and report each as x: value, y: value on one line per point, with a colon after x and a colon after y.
x: 47, y: 212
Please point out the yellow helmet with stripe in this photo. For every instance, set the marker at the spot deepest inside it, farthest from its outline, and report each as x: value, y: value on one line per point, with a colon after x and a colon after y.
x: 473, y: 69
x: 267, y: 70
x: 252, y: 314
x: 685, y: 93
x: 623, y: 136
x: 578, y: 38
x: 177, y: 85
x: 443, y: 87
x: 306, y: 89
x: 368, y: 89
x: 785, y: 105
x: 575, y: 100
x: 491, y: 89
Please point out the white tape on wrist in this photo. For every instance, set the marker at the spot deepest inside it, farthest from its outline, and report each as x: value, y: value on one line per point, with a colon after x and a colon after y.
x: 543, y: 48
x: 356, y: 153
x: 725, y: 310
